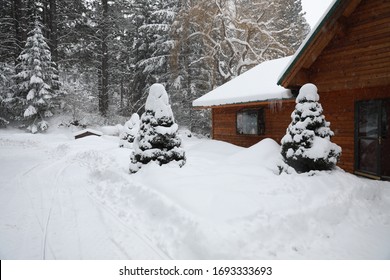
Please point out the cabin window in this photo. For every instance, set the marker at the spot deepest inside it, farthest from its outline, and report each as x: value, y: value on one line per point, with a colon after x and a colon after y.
x: 250, y: 122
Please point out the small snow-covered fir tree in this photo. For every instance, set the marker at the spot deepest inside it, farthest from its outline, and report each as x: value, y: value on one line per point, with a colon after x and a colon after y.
x: 306, y: 145
x: 130, y: 131
x: 157, y: 139
x: 34, y: 81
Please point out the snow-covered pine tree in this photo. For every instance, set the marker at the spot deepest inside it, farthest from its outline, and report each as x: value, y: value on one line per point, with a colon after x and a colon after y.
x: 291, y: 23
x: 130, y: 131
x: 152, y: 45
x: 157, y: 139
x: 34, y: 81
x: 157, y: 30
x: 191, y: 74
x: 306, y: 145
x: 139, y: 51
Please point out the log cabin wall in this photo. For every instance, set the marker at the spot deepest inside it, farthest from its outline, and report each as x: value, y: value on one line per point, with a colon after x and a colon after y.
x: 354, y: 66
x: 277, y: 119
x: 339, y: 110
x: 359, y: 56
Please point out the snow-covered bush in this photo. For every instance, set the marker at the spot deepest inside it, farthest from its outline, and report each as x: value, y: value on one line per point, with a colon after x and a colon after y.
x: 130, y: 131
x: 306, y: 145
x: 157, y: 139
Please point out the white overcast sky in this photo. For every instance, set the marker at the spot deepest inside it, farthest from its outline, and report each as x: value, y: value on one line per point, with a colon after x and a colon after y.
x: 314, y: 9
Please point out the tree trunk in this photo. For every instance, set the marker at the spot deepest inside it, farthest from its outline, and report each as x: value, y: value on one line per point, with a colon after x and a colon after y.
x: 17, y: 15
x: 122, y: 93
x: 104, y: 63
x: 53, y: 31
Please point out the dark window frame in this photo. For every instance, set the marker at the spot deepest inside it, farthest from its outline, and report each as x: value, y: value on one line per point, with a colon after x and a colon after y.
x: 260, y: 112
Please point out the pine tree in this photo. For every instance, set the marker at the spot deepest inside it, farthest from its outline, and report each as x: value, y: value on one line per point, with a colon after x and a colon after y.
x: 157, y: 140
x: 157, y: 30
x: 152, y: 46
x: 291, y: 22
x: 306, y: 145
x: 140, y: 51
x: 34, y: 81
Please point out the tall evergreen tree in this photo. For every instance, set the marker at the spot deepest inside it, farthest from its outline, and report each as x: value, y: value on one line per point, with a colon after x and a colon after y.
x: 191, y: 71
x: 34, y: 81
x: 141, y: 10
x: 8, y: 45
x: 152, y: 46
x: 160, y: 43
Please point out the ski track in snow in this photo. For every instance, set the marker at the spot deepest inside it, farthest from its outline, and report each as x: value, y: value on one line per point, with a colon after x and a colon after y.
x: 56, y: 206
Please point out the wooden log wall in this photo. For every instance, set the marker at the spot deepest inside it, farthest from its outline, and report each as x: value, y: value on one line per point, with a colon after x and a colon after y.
x: 277, y: 118
x: 354, y: 66
x: 359, y: 56
x: 339, y: 110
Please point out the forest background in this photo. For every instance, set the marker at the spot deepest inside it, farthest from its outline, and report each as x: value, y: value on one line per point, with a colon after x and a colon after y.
x: 105, y: 55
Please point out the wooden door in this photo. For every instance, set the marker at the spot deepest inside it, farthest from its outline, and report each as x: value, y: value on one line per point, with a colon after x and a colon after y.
x: 372, y: 134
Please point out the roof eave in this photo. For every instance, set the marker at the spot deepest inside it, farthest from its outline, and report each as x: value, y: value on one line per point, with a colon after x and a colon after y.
x: 283, y: 81
x: 249, y: 103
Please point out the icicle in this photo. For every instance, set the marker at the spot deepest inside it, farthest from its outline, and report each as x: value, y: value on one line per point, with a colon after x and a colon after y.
x: 275, y: 105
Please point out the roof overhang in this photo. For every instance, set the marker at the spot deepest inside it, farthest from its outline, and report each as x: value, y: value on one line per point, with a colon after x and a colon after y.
x: 333, y: 21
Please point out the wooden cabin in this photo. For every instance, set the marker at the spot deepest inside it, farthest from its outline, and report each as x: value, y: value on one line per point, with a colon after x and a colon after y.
x: 250, y: 107
x: 347, y: 56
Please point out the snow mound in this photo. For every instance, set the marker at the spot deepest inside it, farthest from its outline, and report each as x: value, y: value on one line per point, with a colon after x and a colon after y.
x: 266, y: 153
x: 308, y: 92
x: 114, y: 130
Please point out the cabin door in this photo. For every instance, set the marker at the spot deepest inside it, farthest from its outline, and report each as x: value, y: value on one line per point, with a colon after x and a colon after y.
x: 373, y: 138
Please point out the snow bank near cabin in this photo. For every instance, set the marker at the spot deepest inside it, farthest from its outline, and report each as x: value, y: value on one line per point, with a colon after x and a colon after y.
x: 265, y: 154
x: 113, y: 130
x: 67, y: 199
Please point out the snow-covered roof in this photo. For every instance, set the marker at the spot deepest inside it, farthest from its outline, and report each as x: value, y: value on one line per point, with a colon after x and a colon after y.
x: 87, y: 130
x: 256, y: 84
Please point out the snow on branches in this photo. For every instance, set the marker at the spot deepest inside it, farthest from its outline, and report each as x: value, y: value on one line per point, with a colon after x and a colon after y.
x: 34, y: 80
x: 157, y: 140
x: 306, y: 145
x: 130, y: 131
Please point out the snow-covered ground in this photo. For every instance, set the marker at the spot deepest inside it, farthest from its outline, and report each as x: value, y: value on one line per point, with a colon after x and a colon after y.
x: 62, y: 198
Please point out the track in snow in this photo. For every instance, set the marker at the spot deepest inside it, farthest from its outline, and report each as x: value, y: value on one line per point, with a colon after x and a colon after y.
x: 62, y: 220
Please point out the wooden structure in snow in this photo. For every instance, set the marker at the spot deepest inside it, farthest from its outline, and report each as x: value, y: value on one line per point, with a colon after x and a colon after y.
x: 347, y: 56
x: 86, y: 132
x: 245, y: 110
